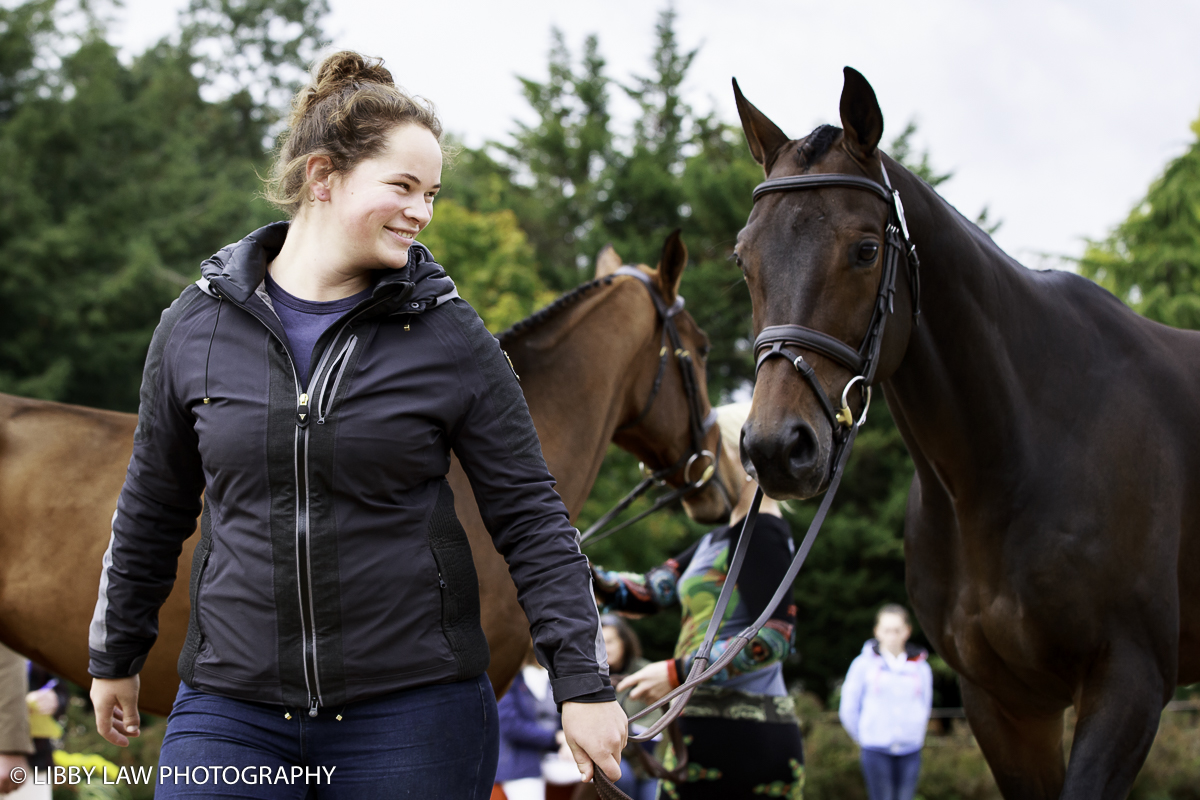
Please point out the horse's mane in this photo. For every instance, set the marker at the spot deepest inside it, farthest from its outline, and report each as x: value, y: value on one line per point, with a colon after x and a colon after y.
x: 540, y: 317
x: 816, y: 144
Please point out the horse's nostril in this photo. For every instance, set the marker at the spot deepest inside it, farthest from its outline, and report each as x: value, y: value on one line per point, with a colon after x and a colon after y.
x: 803, y: 450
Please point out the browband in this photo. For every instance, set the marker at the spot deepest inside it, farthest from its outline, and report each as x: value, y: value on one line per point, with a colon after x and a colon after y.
x: 794, y: 182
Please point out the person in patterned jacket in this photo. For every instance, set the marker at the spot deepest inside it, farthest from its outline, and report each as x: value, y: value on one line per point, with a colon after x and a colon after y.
x: 741, y: 729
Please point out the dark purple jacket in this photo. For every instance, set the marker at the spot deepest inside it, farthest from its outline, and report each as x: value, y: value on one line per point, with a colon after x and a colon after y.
x: 523, y: 741
x: 331, y: 566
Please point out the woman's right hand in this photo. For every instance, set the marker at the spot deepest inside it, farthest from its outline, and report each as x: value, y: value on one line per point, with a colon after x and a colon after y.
x: 116, y: 708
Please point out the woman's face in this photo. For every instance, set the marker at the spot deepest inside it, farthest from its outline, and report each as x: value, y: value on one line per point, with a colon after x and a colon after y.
x: 386, y: 200
x: 615, y: 648
x: 892, y: 632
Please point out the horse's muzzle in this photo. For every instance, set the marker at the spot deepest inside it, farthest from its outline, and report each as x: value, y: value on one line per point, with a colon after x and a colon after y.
x: 787, y: 460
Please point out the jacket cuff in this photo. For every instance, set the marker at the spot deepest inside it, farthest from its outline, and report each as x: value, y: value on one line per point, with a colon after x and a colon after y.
x: 674, y: 670
x: 589, y: 688
x: 110, y: 666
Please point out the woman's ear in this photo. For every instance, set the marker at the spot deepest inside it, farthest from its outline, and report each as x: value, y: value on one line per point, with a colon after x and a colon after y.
x: 318, y: 171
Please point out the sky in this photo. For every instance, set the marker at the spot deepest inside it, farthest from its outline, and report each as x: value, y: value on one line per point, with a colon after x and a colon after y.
x: 1056, y: 115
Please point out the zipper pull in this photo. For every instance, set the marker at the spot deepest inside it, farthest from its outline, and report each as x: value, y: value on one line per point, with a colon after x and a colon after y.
x: 302, y: 411
x: 312, y: 707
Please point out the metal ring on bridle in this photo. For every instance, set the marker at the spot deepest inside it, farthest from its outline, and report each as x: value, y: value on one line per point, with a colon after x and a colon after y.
x: 845, y: 416
x: 708, y: 472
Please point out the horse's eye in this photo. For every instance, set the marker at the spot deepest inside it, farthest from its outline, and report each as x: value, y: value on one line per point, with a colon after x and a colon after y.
x: 867, y: 252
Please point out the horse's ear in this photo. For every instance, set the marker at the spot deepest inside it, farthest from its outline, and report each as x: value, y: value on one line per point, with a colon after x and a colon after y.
x: 607, y: 262
x: 862, y: 120
x: 670, y: 266
x: 764, y: 137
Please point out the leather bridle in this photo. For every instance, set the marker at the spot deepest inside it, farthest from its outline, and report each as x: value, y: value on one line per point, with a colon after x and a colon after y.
x: 779, y: 341
x: 699, y: 423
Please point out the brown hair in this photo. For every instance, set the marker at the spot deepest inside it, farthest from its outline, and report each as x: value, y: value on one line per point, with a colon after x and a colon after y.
x: 345, y: 114
x: 893, y: 608
x: 633, y: 647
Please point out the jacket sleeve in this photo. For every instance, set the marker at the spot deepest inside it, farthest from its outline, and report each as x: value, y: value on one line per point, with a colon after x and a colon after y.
x: 766, y: 565
x: 850, y: 708
x: 156, y: 511
x: 14, y: 714
x: 498, y: 447
x: 636, y: 593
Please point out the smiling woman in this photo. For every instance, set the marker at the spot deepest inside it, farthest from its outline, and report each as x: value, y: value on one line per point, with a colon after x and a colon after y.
x: 312, y: 387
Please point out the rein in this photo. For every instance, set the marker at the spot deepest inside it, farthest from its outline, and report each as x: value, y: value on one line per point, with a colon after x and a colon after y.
x: 699, y: 423
x: 777, y: 341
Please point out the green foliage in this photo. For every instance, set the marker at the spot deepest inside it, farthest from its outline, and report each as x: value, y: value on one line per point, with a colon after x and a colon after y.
x: 121, y: 180
x: 1152, y: 259
x: 489, y: 259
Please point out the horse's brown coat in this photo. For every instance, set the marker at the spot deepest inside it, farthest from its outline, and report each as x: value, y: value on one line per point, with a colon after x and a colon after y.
x: 1053, y: 529
x: 583, y: 372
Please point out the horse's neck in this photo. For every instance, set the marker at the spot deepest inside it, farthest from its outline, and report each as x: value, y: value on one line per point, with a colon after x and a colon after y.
x: 955, y: 397
x: 576, y: 412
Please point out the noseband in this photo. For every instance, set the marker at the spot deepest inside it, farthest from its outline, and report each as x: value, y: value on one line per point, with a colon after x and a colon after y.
x: 777, y: 340
x: 699, y: 423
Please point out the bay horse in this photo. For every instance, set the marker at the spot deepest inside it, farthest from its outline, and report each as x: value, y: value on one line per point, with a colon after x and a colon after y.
x: 587, y: 364
x: 1052, y: 536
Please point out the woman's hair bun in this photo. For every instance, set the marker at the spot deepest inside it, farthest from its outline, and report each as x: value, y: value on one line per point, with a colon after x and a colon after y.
x: 337, y: 73
x: 346, y: 69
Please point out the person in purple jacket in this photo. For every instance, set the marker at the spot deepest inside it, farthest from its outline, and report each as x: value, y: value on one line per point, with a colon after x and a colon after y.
x: 530, y: 729
x: 886, y: 700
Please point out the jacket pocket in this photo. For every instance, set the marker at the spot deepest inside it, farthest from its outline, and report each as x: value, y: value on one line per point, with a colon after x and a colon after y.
x: 195, y: 635
x: 459, y: 587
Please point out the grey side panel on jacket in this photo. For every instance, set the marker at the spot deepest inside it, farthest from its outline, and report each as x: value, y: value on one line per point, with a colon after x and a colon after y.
x: 156, y: 511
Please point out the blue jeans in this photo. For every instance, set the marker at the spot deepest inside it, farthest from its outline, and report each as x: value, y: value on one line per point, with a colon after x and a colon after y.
x: 439, y: 741
x: 637, y: 788
x: 891, y: 777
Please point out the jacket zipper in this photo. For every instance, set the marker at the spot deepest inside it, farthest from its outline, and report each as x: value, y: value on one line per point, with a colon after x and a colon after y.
x: 323, y: 409
x: 308, y: 630
x: 308, y: 627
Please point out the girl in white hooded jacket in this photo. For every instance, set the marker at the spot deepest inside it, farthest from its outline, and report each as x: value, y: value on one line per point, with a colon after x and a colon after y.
x: 886, y: 700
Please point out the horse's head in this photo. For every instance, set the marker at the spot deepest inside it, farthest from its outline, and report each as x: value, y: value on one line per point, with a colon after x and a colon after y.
x: 814, y: 257
x: 667, y: 420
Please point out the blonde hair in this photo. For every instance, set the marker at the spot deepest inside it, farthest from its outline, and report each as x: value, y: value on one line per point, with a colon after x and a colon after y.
x: 345, y: 114
x: 730, y: 419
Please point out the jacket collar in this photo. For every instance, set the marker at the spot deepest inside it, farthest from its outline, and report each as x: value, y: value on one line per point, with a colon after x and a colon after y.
x: 238, y: 269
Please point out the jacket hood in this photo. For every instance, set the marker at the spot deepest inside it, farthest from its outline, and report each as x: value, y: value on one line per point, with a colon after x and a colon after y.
x: 912, y: 651
x: 240, y: 268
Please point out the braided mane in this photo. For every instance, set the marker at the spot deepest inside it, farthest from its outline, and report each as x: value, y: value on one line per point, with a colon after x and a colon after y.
x: 539, y: 318
x: 816, y: 144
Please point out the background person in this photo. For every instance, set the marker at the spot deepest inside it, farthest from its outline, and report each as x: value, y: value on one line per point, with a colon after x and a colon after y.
x: 625, y: 658
x: 312, y: 387
x: 15, y: 743
x: 744, y: 735
x: 886, y: 700
x: 530, y: 731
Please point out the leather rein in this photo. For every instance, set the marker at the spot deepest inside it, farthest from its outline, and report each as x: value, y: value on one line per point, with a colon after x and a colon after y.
x: 699, y: 423
x: 782, y: 341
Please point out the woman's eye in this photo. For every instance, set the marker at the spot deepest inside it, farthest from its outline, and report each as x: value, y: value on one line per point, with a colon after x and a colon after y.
x: 867, y: 252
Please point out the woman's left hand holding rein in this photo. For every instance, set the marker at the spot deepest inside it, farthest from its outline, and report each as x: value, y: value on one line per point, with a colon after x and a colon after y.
x: 595, y: 732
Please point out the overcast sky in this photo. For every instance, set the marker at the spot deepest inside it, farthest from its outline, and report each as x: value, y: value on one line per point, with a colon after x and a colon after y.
x: 1057, y: 115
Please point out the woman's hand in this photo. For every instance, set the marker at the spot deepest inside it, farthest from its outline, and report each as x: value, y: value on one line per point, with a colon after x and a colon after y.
x: 650, y: 683
x: 43, y: 701
x: 116, y: 708
x: 595, y: 732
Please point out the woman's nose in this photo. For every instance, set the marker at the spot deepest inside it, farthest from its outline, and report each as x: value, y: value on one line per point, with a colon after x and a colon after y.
x: 420, y: 212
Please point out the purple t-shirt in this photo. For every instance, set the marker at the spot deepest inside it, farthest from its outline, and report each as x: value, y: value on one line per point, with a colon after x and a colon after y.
x: 305, y: 320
